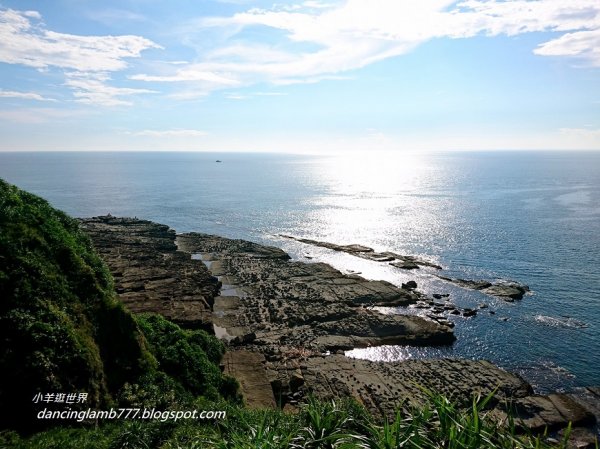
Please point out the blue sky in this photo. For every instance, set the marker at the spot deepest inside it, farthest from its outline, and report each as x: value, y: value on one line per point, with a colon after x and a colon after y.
x: 310, y: 76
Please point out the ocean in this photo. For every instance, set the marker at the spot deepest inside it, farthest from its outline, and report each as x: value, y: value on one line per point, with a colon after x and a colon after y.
x: 531, y: 217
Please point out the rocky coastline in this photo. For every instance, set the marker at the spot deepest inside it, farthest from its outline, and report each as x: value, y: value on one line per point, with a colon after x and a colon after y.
x: 288, y: 323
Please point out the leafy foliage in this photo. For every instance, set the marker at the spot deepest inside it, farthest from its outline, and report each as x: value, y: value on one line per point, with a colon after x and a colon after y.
x: 189, y: 357
x: 56, y: 300
x: 62, y: 330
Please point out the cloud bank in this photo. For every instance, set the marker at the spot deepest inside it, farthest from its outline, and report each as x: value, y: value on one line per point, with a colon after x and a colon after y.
x: 353, y: 34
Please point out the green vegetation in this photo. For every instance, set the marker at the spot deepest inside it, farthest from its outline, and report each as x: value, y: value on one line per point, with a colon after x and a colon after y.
x: 190, y: 358
x: 62, y: 330
x: 323, y: 425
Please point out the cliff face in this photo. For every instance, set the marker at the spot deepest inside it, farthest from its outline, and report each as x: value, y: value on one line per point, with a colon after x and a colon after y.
x: 61, y: 328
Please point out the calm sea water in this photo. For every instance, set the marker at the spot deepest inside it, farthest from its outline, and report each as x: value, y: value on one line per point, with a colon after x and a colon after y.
x: 529, y: 217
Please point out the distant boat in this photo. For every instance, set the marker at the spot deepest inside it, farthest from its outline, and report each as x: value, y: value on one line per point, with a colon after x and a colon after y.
x: 218, y: 160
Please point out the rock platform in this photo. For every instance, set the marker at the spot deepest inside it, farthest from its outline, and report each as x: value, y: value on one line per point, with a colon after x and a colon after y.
x: 288, y: 323
x: 150, y: 274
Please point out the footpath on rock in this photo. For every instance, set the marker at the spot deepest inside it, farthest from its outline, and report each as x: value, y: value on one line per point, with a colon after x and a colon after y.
x: 288, y: 323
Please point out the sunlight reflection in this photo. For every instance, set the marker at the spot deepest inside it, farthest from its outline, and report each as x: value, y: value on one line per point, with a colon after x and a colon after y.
x: 388, y: 353
x: 366, y: 193
x: 364, y: 175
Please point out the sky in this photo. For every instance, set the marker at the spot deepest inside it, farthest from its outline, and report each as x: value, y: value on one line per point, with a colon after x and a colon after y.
x: 314, y: 76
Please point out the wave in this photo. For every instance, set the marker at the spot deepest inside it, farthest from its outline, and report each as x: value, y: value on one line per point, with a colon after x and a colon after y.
x: 566, y: 322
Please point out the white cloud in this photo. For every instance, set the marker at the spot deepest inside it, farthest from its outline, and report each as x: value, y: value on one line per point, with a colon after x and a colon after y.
x: 316, y: 4
x: 23, y: 95
x: 578, y: 138
x: 270, y: 94
x: 35, y: 116
x: 111, y: 16
x: 236, y: 97
x: 25, y: 40
x: 582, y: 132
x: 328, y: 41
x: 91, y: 88
x: 169, y: 133
x: 584, y: 44
x: 247, y: 96
x: 192, y: 73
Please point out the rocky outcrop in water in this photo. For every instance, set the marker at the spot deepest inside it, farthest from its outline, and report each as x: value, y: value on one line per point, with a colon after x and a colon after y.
x: 508, y: 291
x: 394, y: 259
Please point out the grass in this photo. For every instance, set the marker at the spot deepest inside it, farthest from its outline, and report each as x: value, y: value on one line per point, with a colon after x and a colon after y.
x: 438, y: 423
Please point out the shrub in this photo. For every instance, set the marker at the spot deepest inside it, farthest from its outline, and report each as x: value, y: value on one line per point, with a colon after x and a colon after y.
x: 61, y: 328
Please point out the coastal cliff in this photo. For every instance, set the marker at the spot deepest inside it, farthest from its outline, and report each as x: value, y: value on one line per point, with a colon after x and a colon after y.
x: 64, y: 332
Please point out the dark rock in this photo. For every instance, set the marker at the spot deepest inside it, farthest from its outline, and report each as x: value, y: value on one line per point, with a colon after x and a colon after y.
x: 296, y: 380
x: 405, y: 264
x: 508, y: 291
x: 469, y: 312
x: 553, y: 411
x: 410, y: 285
x: 474, y: 285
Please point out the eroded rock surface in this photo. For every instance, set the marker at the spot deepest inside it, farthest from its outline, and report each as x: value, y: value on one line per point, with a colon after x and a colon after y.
x: 306, y: 305
x: 150, y: 274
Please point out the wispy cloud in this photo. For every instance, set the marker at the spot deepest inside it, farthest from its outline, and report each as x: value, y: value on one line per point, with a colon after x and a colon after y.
x: 112, y: 15
x: 192, y: 73
x: 579, y: 138
x: 24, y: 95
x: 36, y: 116
x: 236, y: 97
x: 28, y: 43
x: 169, y: 133
x: 582, y: 132
x: 93, y: 89
x: 270, y: 94
x: 249, y: 95
x: 25, y: 40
